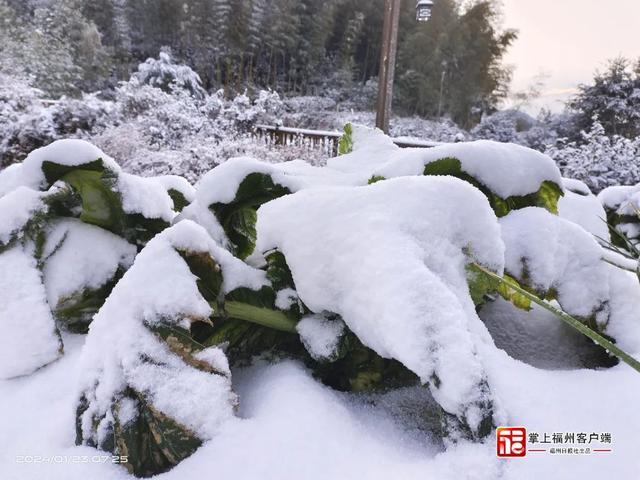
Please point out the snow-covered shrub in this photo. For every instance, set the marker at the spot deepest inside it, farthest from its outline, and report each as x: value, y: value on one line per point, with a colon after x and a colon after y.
x: 24, y: 124
x: 71, y: 224
x: 504, y: 126
x: 160, y: 133
x: 612, y: 102
x: 378, y: 264
x: 150, y: 390
x: 164, y: 73
x: 147, y: 129
x: 325, y: 114
x: 229, y: 196
x: 599, y: 160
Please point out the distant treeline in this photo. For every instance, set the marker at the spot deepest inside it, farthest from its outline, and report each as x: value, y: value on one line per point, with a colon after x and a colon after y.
x: 448, y: 66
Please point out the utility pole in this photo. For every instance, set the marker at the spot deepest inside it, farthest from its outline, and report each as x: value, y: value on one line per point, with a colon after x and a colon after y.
x: 387, y: 63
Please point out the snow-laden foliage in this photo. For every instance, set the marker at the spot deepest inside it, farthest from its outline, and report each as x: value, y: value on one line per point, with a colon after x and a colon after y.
x: 580, y: 206
x: 228, y: 197
x: 613, y: 100
x: 30, y: 338
x: 150, y: 391
x: 368, y: 271
x: 510, y: 176
x: 379, y: 265
x: 557, y: 258
x: 515, y: 126
x: 164, y: 73
x: 71, y: 223
x: 622, y: 206
x: 326, y: 114
x: 599, y: 160
x: 149, y: 130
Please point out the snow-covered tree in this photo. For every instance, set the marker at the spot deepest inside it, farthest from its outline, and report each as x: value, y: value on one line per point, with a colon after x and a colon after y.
x: 614, y: 97
x: 598, y: 159
x: 166, y: 74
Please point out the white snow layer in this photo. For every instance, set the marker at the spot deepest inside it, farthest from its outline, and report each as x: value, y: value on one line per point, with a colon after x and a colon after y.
x: 146, y: 196
x: 320, y: 335
x: 221, y: 185
x: 29, y: 338
x: 389, y: 259
x: 326, y: 434
x: 160, y: 286
x: 553, y: 253
x: 16, y: 209
x: 582, y: 207
x: 617, y: 198
x: 65, y: 152
x: 81, y: 256
x: 179, y: 184
x: 506, y: 169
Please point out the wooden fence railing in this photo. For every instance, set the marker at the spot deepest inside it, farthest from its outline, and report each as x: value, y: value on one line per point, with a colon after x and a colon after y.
x: 324, y: 140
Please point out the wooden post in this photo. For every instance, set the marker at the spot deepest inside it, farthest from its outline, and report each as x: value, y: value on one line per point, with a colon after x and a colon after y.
x: 387, y: 63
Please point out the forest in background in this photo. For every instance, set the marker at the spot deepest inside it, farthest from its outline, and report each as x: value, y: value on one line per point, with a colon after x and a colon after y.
x: 450, y: 66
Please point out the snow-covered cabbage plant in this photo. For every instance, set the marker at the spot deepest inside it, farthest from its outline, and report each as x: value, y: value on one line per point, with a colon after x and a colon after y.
x: 71, y: 223
x: 622, y: 206
x: 511, y: 177
x: 369, y: 270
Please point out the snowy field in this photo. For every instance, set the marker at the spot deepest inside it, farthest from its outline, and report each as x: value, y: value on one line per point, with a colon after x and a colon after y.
x: 377, y: 317
x: 292, y: 427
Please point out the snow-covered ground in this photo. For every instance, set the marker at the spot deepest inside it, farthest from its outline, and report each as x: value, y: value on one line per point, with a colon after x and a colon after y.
x: 292, y: 427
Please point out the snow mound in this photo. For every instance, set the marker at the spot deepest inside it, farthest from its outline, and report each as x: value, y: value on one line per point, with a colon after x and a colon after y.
x: 29, y: 337
x: 179, y: 184
x: 390, y: 259
x: 582, y: 207
x: 616, y: 199
x: 555, y: 256
x: 622, y: 204
x: 146, y: 196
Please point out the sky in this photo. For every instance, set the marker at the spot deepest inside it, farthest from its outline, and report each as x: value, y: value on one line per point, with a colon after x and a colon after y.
x: 568, y: 40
